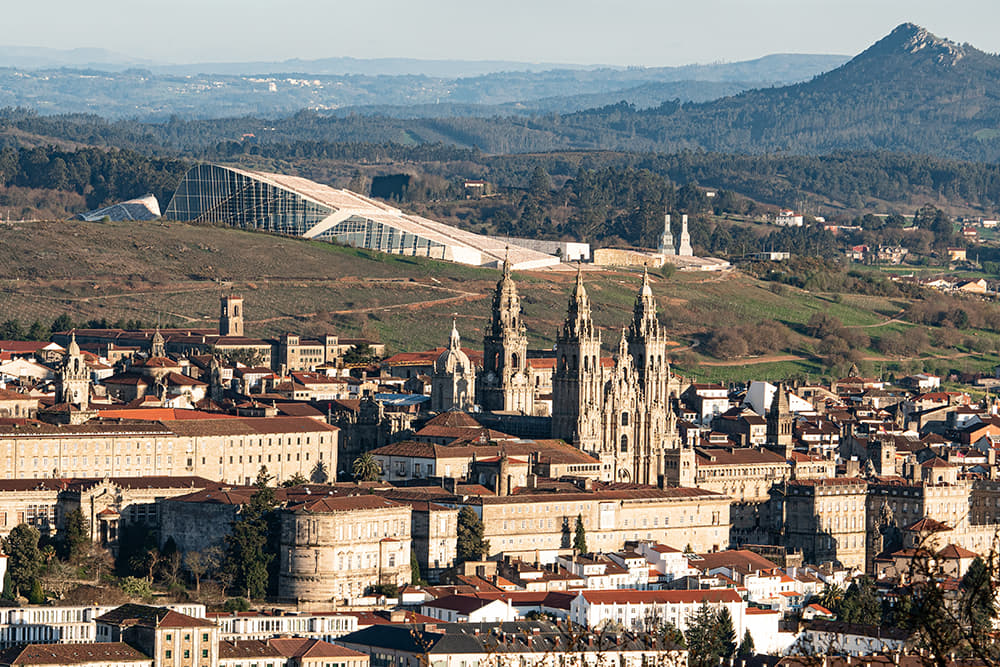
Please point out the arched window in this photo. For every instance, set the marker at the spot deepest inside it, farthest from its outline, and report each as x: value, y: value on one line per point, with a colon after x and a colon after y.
x: 624, y: 443
x: 624, y: 419
x: 513, y: 361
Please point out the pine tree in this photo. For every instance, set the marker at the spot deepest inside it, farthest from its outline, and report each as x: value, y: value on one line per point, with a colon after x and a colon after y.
x: 248, y: 551
x: 702, y: 637
x: 725, y: 633
x: 978, y: 596
x: 75, y: 534
x: 746, y: 649
x: 24, y: 556
x: 471, y: 545
x: 580, y: 536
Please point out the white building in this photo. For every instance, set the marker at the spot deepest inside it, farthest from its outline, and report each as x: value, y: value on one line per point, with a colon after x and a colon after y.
x: 642, y: 610
x: 788, y: 218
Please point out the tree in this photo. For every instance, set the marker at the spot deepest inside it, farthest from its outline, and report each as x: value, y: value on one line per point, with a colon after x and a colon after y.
x: 415, y: 577
x: 702, y: 637
x: 978, y: 597
x: 76, y: 535
x: 8, y: 587
x: 248, y: 556
x: 36, y: 595
x: 861, y: 604
x: 24, y: 556
x: 199, y: 563
x: 726, y: 634
x: 746, y: 649
x: 539, y: 185
x: 471, y: 545
x: 319, y: 474
x: 366, y: 469
x: 580, y: 536
x: 295, y: 480
x: 136, y: 588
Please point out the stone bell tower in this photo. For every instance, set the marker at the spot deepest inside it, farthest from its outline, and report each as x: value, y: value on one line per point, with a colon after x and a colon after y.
x: 231, y: 316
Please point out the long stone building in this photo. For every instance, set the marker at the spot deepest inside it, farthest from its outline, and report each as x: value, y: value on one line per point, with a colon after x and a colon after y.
x: 230, y: 450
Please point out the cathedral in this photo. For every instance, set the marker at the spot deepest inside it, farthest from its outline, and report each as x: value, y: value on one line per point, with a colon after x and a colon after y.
x: 619, y: 412
x: 617, y: 409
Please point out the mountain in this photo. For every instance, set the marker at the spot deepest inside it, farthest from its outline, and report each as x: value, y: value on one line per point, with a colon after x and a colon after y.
x: 911, y: 91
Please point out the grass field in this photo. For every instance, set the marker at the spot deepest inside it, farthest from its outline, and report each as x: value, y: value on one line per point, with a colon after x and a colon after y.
x: 174, y: 274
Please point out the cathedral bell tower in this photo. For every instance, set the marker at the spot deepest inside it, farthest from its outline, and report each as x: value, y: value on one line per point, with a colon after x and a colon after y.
x: 577, y: 384
x: 504, y: 383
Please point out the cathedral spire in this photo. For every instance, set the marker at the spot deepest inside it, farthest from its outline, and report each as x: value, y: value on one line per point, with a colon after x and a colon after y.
x: 578, y: 322
x: 74, y: 349
x: 456, y: 341
x: 644, y: 322
x: 506, y: 262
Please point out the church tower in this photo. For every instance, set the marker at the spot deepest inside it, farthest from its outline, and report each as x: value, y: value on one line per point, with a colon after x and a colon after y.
x: 505, y: 384
x: 453, y: 384
x: 73, y: 380
x: 577, y: 384
x: 684, y: 246
x: 666, y: 239
x: 231, y: 316
x: 779, y: 422
x: 158, y: 347
x: 653, y: 429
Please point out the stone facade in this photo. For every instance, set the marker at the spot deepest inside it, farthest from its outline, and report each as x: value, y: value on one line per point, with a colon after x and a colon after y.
x: 505, y: 384
x: 823, y: 518
x: 334, y: 548
x: 620, y: 413
x: 231, y: 450
x: 453, y: 384
x: 528, y: 522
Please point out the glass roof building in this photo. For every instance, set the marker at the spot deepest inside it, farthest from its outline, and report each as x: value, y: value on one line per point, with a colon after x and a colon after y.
x: 300, y: 207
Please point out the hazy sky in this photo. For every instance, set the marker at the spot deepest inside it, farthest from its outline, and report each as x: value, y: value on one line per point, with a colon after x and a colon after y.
x: 640, y: 32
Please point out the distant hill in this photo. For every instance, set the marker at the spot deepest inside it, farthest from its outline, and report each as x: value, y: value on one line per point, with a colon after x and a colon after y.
x: 113, y: 86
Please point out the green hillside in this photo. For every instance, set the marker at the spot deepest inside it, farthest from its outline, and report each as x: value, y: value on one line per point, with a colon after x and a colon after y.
x: 174, y: 273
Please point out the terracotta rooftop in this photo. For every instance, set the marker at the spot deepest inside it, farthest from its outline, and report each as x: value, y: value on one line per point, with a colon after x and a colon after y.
x: 72, y: 654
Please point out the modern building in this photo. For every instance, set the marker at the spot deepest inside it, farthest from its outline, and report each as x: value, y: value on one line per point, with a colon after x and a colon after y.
x: 299, y: 207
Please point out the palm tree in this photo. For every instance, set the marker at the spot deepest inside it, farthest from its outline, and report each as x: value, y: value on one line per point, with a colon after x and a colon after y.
x: 366, y: 469
x: 830, y: 596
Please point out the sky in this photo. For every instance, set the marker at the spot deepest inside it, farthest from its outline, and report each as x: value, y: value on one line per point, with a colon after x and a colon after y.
x: 640, y: 32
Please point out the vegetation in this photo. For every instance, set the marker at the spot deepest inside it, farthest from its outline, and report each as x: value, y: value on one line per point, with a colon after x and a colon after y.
x: 24, y: 558
x: 709, y: 636
x: 471, y: 545
x: 366, y: 469
x: 248, y: 557
x: 580, y: 536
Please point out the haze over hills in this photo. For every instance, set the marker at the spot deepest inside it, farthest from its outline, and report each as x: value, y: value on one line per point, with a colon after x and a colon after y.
x: 121, y: 88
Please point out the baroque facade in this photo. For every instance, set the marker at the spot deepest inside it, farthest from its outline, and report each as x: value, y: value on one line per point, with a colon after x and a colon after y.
x: 505, y: 384
x: 619, y: 412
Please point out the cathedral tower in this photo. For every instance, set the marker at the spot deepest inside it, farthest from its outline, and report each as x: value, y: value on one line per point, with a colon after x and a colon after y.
x: 453, y: 384
x: 504, y: 383
x: 231, y: 316
x: 577, y: 384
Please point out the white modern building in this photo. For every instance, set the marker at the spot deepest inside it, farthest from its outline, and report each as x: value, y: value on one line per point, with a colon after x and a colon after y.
x: 300, y: 207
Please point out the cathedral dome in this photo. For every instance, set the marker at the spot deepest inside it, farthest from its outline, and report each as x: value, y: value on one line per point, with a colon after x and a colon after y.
x: 453, y: 359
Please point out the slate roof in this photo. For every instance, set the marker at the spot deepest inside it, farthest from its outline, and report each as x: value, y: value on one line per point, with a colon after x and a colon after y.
x: 71, y: 654
x: 147, y: 616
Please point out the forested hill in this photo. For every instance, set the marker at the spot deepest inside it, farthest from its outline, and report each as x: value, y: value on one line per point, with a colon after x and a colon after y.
x: 911, y: 92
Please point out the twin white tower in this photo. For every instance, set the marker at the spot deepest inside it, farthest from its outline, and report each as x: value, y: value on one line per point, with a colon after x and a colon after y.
x: 667, y: 239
